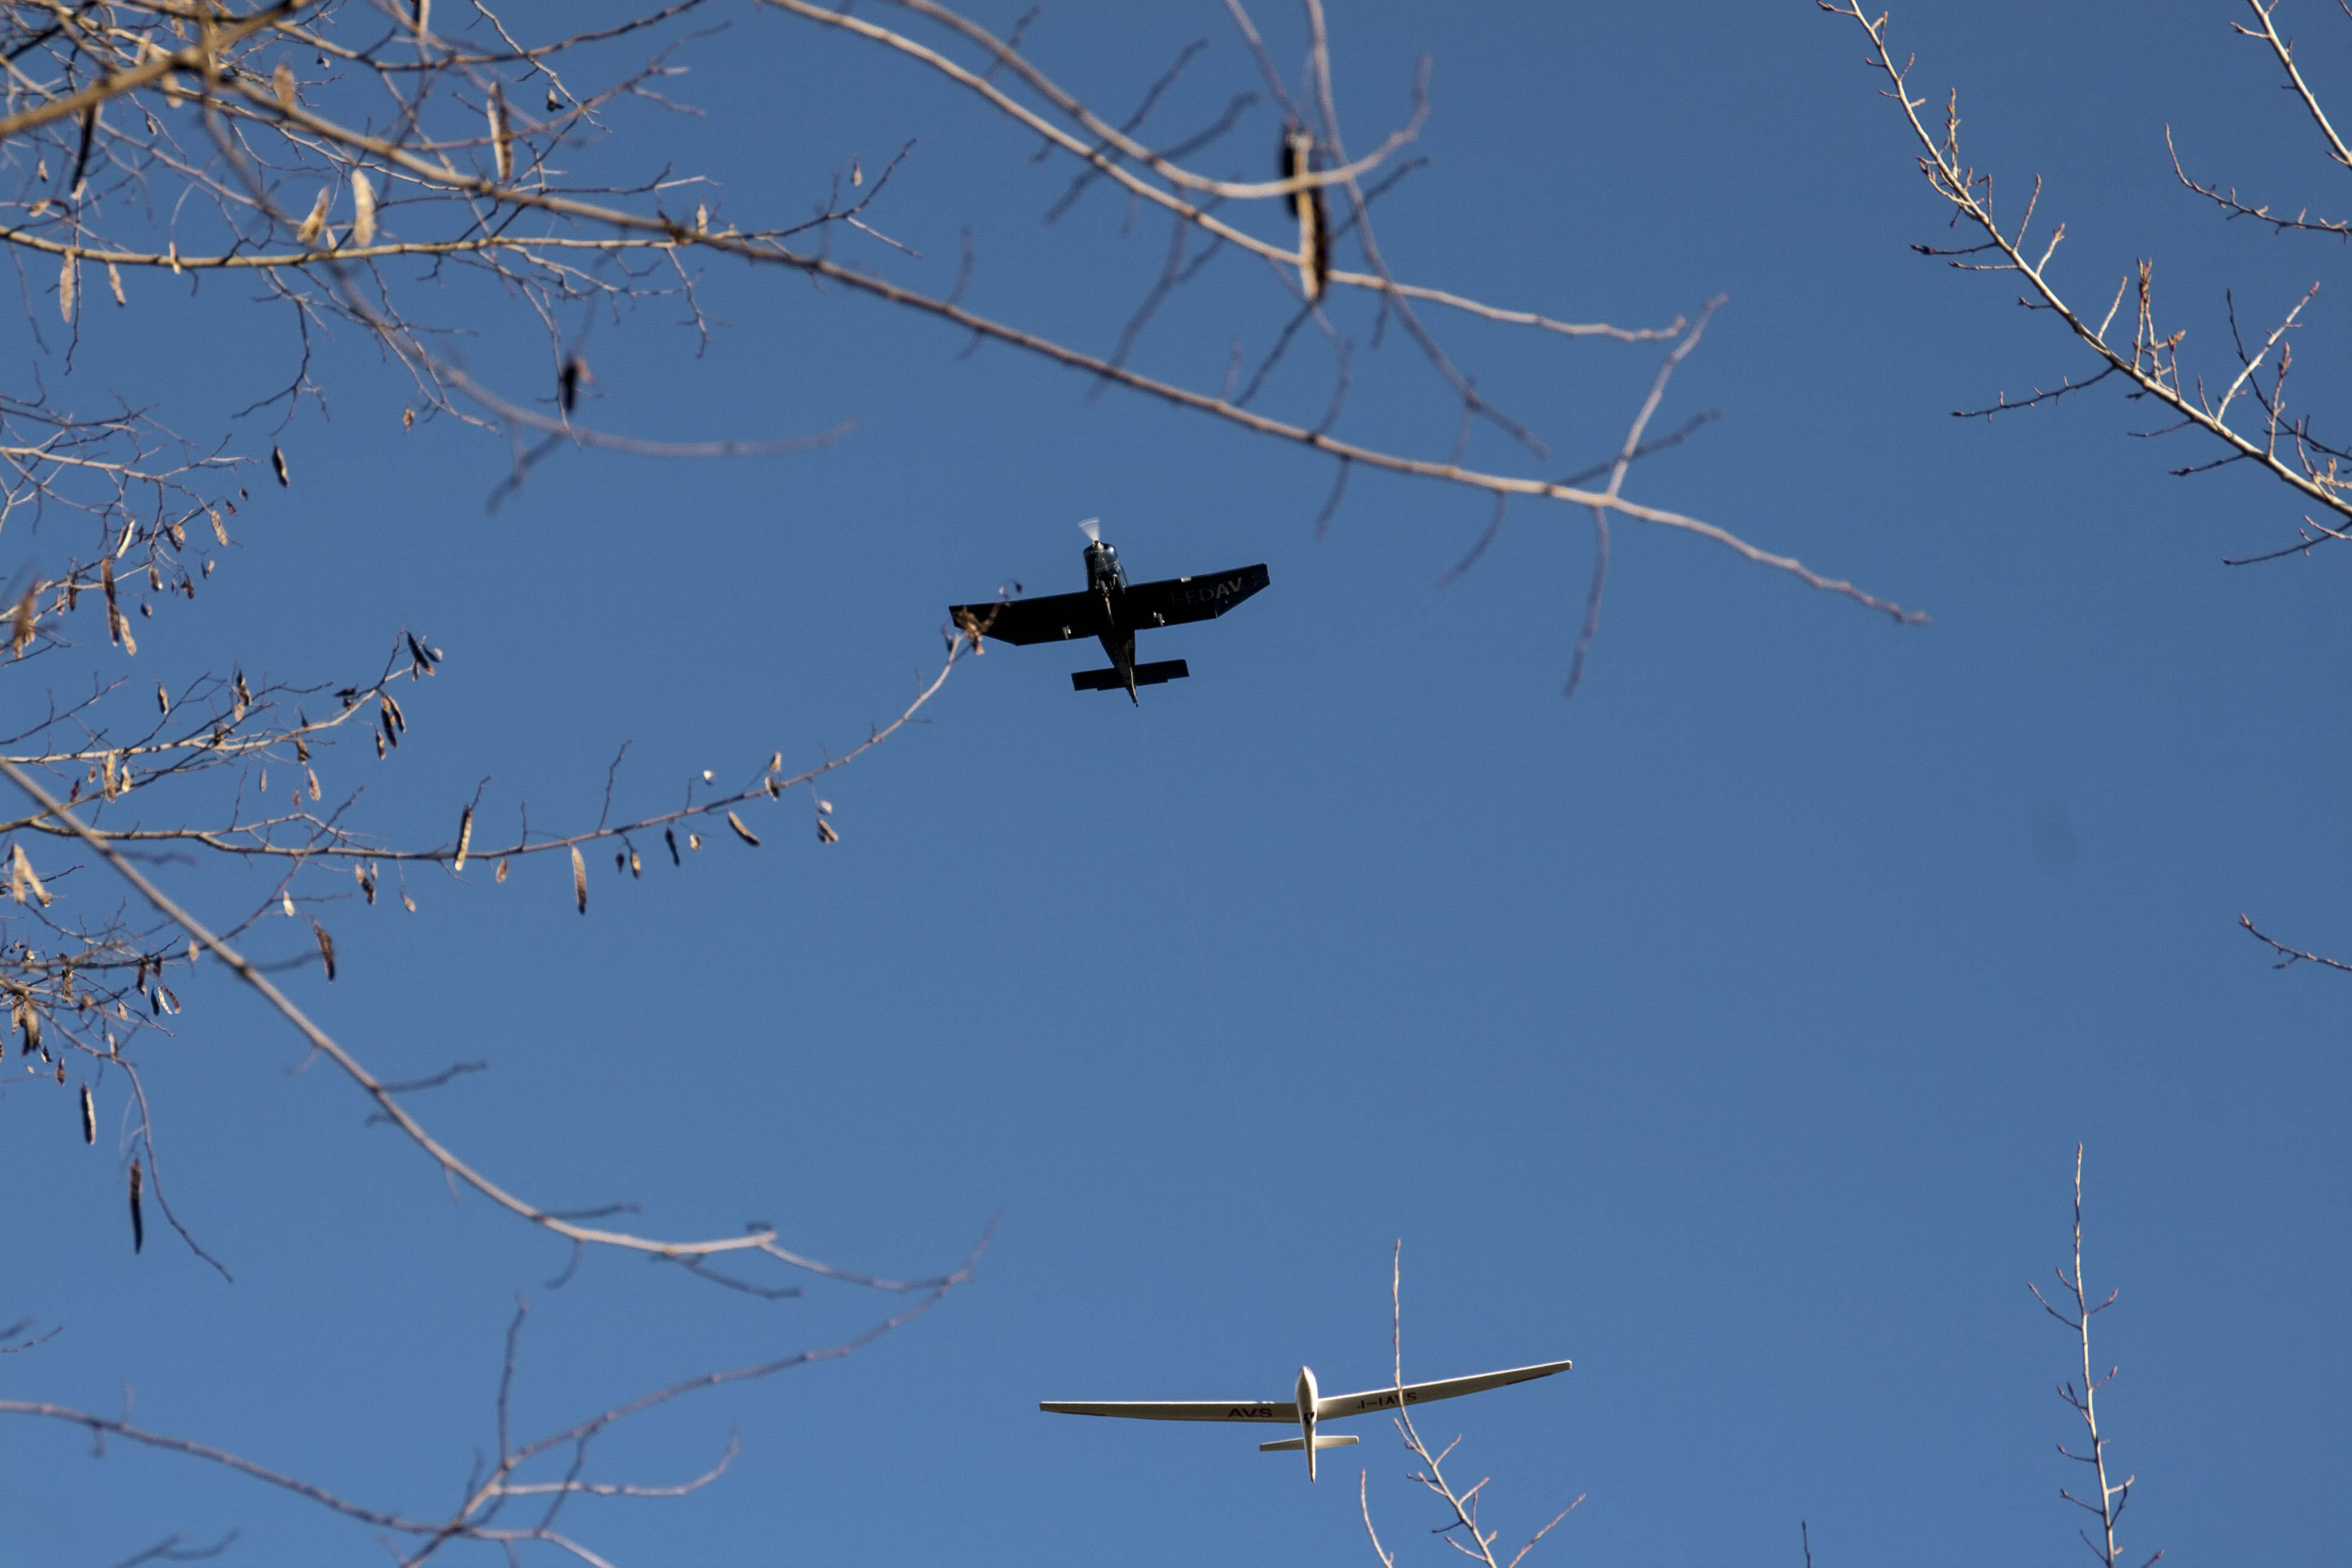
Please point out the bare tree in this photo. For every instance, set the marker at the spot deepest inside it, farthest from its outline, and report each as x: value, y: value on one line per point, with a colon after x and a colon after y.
x: 1462, y: 1530
x: 408, y: 172
x: 2074, y: 1306
x: 512, y: 1500
x: 2241, y: 419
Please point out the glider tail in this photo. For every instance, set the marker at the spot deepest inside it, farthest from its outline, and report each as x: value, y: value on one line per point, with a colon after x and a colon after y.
x: 1322, y: 1440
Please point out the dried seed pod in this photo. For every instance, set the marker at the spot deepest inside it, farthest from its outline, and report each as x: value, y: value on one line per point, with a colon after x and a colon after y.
x: 1314, y: 232
x: 636, y: 866
x: 278, y: 455
x: 325, y: 948
x: 824, y: 808
x: 66, y: 288
x: 671, y: 839
x: 21, y: 878
x: 138, y: 1222
x: 89, y: 1117
x: 745, y: 834
x: 286, y: 897
x: 308, y: 237
x: 116, y: 630
x: 694, y: 841
x: 501, y: 133
x: 390, y: 734
x: 32, y: 1030
x: 219, y: 531
x: 24, y: 622
x: 163, y: 700
x: 393, y: 707
x: 465, y: 835
x: 824, y: 833
x: 281, y: 84
x: 316, y: 794
x: 503, y: 869
x: 408, y: 903
x: 362, y: 209
x: 114, y: 282
x: 580, y: 879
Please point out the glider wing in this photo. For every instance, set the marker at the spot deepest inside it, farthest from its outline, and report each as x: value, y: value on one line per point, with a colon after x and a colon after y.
x: 1334, y: 1406
x: 1193, y: 1410
x: 1053, y: 618
x: 1176, y: 600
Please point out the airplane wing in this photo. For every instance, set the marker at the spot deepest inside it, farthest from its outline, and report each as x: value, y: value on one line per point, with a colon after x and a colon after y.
x: 1180, y: 599
x: 1048, y: 619
x: 1194, y: 1410
x: 1334, y: 1406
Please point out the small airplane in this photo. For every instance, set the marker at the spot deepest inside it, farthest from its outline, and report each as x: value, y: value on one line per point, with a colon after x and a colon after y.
x: 1310, y: 1407
x: 1114, y: 611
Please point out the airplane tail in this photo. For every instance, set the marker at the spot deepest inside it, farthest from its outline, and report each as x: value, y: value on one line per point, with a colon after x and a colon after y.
x: 1145, y: 675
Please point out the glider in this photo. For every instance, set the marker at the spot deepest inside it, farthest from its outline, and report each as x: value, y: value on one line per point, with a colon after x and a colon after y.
x: 1114, y: 611
x: 1309, y: 1407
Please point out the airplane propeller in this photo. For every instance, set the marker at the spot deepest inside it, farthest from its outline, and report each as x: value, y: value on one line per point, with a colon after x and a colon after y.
x: 1092, y: 529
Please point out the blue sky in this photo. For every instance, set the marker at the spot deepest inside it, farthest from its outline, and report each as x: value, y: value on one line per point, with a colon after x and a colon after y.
x: 1729, y: 1029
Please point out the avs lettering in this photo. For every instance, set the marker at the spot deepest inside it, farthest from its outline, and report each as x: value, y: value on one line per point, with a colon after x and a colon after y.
x: 1258, y: 1413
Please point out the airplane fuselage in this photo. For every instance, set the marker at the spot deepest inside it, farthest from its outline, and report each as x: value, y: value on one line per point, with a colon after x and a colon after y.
x: 1106, y: 579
